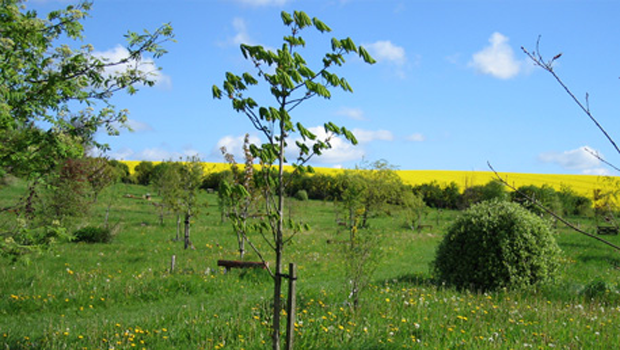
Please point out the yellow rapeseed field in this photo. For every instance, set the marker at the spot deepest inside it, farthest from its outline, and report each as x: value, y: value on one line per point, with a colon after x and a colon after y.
x: 582, y: 184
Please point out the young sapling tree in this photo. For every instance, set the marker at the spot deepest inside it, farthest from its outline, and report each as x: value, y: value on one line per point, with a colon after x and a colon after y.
x: 291, y: 82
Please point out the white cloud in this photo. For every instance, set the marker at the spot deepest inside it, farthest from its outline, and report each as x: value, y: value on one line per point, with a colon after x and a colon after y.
x: 147, y: 66
x: 497, y: 59
x: 351, y: 113
x: 258, y: 3
x: 416, y: 137
x: 385, y: 51
x: 234, y: 146
x: 341, y: 151
x: 365, y: 136
x: 578, y: 159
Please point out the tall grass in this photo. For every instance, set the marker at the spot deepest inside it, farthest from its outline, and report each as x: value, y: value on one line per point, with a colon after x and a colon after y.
x: 122, y: 295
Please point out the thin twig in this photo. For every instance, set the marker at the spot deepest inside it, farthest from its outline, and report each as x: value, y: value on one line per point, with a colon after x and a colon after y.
x: 538, y: 59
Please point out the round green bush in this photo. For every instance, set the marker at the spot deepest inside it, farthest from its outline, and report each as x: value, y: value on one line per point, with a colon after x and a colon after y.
x: 93, y: 234
x: 301, y: 195
x: 494, y: 245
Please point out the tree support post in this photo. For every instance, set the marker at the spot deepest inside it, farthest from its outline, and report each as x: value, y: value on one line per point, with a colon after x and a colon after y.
x: 290, y: 306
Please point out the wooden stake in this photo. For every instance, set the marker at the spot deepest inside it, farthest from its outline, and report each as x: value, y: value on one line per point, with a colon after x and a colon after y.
x: 290, y: 306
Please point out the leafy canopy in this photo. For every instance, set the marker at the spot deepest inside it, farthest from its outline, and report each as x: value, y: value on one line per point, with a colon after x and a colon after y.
x: 291, y: 83
x: 44, y: 80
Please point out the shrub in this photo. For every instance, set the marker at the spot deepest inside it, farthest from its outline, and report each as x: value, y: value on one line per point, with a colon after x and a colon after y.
x: 301, y: 195
x: 94, y: 234
x: 601, y: 291
x: 497, y: 244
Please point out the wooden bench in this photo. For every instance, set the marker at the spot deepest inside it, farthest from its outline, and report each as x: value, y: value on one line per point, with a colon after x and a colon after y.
x: 232, y: 264
x: 606, y: 230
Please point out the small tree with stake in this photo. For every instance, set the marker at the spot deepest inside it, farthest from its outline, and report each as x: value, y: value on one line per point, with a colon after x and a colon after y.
x: 291, y: 82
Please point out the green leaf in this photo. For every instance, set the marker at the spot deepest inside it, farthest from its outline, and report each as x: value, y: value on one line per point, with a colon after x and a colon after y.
x: 249, y: 79
x: 366, y: 56
x: 217, y: 93
x: 301, y: 19
x: 345, y: 85
x: 306, y: 72
x: 336, y: 44
x: 286, y: 18
x: 349, y: 45
x: 322, y: 27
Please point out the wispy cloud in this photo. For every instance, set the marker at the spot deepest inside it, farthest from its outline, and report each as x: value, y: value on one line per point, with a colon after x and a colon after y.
x: 146, y: 65
x: 138, y: 126
x: 416, y: 137
x: 351, y: 113
x: 497, y: 59
x: 241, y: 36
x: 154, y: 154
x: 581, y: 159
x: 365, y: 136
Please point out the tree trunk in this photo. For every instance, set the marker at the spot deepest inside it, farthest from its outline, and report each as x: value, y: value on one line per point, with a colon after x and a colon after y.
x: 178, y: 238
x: 279, y: 242
x: 188, y: 243
x: 107, y: 215
x: 241, y: 241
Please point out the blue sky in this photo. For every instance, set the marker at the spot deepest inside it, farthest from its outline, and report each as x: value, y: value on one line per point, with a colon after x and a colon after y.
x: 451, y: 89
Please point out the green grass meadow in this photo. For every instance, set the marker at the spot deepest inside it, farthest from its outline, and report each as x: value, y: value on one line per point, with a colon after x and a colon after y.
x: 122, y: 295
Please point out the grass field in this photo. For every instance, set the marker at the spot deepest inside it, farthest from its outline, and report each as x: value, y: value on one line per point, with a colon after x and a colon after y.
x: 122, y: 295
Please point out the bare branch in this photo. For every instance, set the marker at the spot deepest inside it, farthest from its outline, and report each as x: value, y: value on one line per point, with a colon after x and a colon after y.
x: 538, y: 59
x: 598, y: 156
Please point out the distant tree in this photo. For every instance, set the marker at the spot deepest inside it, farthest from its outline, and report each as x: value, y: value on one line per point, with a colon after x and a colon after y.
x: 475, y: 194
x: 529, y: 195
x: 99, y: 174
x: 121, y: 170
x: 414, y: 208
x: 291, y: 82
x: 167, y: 182
x: 436, y: 196
x: 190, y: 176
x: 368, y: 190
x: 68, y: 194
x: 144, y: 172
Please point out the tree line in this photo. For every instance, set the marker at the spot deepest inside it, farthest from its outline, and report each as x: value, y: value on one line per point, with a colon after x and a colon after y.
x: 381, y: 175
